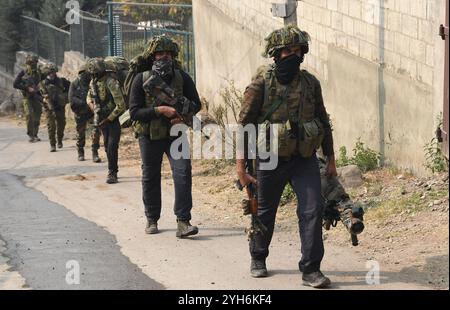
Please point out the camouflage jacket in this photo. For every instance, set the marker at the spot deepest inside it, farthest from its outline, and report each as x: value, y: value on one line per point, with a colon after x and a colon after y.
x: 77, y: 97
x: 55, y: 91
x: 251, y: 109
x: 26, y: 79
x: 111, y: 99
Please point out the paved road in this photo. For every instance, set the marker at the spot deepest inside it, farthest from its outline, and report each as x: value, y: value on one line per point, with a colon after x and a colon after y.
x: 55, y: 209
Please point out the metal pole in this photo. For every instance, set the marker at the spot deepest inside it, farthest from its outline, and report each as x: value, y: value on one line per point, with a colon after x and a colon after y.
x: 82, y: 36
x: 110, y: 29
x: 381, y: 93
x: 291, y: 19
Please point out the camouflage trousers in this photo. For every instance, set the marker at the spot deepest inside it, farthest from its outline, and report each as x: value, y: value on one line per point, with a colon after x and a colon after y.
x: 33, y: 112
x: 56, y: 123
x: 82, y: 121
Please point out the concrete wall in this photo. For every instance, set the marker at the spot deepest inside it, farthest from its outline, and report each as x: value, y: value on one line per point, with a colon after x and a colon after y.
x: 380, y: 63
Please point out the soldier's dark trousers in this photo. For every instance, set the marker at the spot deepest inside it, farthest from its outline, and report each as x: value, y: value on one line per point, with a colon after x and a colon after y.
x: 33, y: 112
x: 304, y: 175
x: 82, y: 122
x: 152, y: 155
x: 111, y: 139
x: 56, y: 123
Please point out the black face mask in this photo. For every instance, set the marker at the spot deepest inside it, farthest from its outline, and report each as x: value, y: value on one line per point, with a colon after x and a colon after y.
x: 85, y: 78
x: 164, y: 68
x: 287, y: 68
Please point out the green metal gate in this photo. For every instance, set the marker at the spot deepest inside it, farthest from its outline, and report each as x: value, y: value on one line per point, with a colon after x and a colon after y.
x: 132, y: 25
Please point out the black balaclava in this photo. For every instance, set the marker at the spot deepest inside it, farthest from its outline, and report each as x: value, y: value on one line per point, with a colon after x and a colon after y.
x: 287, y: 68
x: 85, y: 78
x: 164, y: 68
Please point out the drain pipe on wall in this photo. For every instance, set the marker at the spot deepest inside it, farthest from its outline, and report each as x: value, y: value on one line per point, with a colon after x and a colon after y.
x: 381, y: 92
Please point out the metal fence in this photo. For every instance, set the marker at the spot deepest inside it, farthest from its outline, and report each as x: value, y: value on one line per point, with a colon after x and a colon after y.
x: 131, y: 25
x: 45, y: 40
x: 90, y: 36
x: 124, y: 32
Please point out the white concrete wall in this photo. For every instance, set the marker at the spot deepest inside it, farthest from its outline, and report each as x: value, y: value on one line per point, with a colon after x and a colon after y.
x: 380, y: 63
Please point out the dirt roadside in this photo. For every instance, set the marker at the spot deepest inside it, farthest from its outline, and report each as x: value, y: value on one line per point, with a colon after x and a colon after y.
x: 407, y: 218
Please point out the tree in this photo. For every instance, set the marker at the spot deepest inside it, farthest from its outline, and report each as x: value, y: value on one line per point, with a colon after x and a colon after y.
x: 11, y: 25
x: 175, y: 14
x: 54, y: 11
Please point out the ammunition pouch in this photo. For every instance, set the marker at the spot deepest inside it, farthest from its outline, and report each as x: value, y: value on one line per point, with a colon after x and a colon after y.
x: 311, y: 137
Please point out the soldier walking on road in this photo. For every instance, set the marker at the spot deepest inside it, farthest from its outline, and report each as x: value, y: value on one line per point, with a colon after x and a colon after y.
x: 106, y: 97
x: 54, y: 91
x: 83, y: 114
x: 28, y: 82
x: 153, y: 120
x: 283, y: 94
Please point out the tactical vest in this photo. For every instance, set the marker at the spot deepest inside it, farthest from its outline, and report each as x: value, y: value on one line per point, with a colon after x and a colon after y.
x: 30, y: 78
x: 80, y: 91
x: 56, y: 92
x: 292, y: 107
x: 107, y: 104
x: 158, y: 128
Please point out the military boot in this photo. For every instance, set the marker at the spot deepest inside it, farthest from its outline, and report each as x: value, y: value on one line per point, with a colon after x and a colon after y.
x: 258, y: 268
x: 60, y: 145
x: 315, y: 279
x: 112, y: 177
x: 31, y: 139
x: 185, y: 229
x: 80, y: 154
x: 152, y: 227
x: 36, y: 139
x: 52, y: 148
x: 95, y: 157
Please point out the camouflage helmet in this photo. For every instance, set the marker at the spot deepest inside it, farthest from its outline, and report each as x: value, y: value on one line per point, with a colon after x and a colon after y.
x: 95, y: 66
x: 161, y: 43
x: 286, y: 37
x: 49, y: 68
x: 31, y: 59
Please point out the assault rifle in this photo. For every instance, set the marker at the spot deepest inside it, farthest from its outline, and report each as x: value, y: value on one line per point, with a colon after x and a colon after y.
x: 339, y: 207
x: 250, y: 205
x: 156, y: 86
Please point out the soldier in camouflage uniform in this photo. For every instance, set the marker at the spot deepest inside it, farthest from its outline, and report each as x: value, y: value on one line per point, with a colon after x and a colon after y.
x: 28, y: 82
x: 54, y: 91
x: 106, y: 97
x: 152, y: 120
x: 283, y: 94
x: 83, y: 114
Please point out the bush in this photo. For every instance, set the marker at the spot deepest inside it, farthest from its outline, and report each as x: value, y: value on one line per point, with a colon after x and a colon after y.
x: 434, y: 158
x: 343, y: 159
x: 288, y: 195
x: 365, y: 158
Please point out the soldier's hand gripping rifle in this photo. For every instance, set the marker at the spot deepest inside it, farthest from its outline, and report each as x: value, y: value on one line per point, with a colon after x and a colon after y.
x: 250, y: 205
x: 29, y: 83
x: 165, y: 95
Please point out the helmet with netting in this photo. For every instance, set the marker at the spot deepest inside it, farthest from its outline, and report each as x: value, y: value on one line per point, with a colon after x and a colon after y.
x: 96, y: 66
x: 161, y: 43
x: 31, y: 59
x: 286, y: 37
x: 49, y: 68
